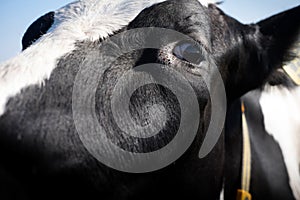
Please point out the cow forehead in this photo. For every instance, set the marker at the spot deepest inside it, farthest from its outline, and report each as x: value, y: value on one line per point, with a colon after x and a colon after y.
x: 79, y: 21
x: 186, y: 17
x: 93, y: 18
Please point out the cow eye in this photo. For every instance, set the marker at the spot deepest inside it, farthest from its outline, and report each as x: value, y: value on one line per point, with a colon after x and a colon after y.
x: 188, y: 51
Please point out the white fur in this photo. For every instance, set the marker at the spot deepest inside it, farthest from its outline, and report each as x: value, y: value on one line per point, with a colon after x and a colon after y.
x: 222, y: 193
x: 78, y: 21
x: 281, y: 110
x: 206, y: 2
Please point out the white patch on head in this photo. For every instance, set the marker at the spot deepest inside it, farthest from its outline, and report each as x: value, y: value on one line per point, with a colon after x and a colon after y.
x: 78, y: 21
x: 281, y: 111
x: 206, y: 2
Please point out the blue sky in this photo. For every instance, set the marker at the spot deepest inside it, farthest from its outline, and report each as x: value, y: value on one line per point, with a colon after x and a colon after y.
x: 17, y: 15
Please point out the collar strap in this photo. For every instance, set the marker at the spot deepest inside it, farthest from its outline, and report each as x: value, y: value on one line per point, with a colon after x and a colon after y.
x: 293, y: 67
x: 244, y: 192
x: 293, y: 71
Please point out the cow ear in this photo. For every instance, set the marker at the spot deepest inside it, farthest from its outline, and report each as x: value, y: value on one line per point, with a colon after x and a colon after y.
x: 37, y: 29
x: 280, y: 34
x: 267, y: 46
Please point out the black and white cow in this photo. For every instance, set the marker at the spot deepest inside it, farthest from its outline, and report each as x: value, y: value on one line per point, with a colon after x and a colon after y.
x: 41, y: 153
x: 272, y: 113
x: 274, y: 124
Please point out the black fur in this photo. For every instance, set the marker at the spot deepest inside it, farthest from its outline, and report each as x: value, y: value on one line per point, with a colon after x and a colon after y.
x: 281, y: 78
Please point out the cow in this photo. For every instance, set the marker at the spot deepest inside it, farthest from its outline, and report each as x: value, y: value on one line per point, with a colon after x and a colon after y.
x: 272, y: 117
x: 42, y: 153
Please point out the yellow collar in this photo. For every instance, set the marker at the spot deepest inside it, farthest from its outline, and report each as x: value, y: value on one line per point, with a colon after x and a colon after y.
x: 244, y: 192
x: 293, y: 67
x: 293, y: 70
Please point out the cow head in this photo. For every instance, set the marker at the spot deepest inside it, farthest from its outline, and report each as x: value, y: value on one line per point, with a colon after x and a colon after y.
x: 183, y: 43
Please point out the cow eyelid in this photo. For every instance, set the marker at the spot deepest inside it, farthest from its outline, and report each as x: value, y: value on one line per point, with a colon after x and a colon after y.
x: 189, y: 51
